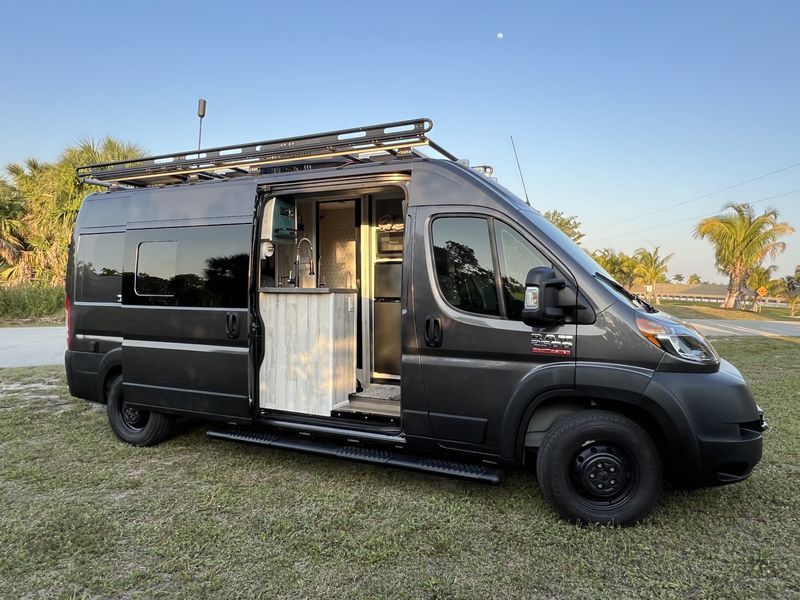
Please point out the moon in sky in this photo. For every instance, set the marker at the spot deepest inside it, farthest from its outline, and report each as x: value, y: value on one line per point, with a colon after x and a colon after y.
x: 500, y: 36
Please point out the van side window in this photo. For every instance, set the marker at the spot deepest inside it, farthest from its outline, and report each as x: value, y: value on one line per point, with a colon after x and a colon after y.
x: 99, y: 267
x: 462, y: 256
x: 516, y: 257
x: 193, y: 267
x: 155, y: 268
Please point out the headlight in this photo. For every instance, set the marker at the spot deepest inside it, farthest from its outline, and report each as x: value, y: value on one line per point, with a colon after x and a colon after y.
x: 681, y: 340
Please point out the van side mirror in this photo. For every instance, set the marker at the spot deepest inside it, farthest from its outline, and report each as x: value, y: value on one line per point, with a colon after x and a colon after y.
x: 543, y: 306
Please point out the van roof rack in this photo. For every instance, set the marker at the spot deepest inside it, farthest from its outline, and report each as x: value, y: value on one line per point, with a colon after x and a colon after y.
x: 360, y: 144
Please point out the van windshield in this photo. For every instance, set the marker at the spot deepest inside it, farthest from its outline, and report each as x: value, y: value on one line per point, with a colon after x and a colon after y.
x: 575, y: 252
x: 584, y: 259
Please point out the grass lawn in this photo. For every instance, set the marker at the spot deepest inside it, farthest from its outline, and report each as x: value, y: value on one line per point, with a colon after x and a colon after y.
x: 697, y: 310
x: 82, y: 515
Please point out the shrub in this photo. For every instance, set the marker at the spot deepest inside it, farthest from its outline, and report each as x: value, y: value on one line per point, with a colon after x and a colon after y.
x: 29, y: 301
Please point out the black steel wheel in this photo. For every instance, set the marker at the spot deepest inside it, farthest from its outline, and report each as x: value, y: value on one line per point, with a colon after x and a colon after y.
x: 600, y: 467
x: 135, y: 419
x: 131, y: 424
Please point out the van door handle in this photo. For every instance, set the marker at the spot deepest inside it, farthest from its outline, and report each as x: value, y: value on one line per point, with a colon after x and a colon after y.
x: 433, y: 332
x: 232, y: 325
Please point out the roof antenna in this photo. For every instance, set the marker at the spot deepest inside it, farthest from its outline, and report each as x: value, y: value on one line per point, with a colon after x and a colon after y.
x: 514, y: 146
x: 201, y: 112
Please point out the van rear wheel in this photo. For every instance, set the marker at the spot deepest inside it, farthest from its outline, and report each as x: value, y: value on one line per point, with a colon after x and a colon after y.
x: 134, y: 425
x: 599, y: 467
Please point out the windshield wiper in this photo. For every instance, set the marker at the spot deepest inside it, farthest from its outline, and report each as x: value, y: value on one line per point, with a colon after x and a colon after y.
x: 635, y: 297
x: 649, y: 307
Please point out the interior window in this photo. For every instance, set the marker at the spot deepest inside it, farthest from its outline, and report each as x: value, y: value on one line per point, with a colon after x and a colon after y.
x: 464, y: 268
x: 516, y: 257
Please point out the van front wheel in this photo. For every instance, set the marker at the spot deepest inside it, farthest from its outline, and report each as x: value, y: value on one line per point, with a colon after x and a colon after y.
x: 599, y: 467
x: 134, y: 425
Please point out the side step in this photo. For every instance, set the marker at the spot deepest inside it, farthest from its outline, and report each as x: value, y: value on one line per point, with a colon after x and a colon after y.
x: 368, y: 455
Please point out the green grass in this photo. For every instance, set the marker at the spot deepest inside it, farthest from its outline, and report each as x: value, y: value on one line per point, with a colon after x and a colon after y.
x: 31, y: 305
x: 83, y: 515
x: 696, y: 310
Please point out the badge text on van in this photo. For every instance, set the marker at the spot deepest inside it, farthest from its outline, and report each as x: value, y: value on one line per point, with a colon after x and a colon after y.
x: 551, y: 343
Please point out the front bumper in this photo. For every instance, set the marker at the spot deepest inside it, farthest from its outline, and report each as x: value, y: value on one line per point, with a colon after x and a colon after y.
x: 720, y: 427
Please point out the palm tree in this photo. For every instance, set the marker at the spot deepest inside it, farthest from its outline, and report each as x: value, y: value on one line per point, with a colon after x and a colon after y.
x: 678, y: 278
x: 742, y: 240
x: 618, y: 264
x: 51, y: 196
x: 10, y: 225
x: 788, y: 289
x: 694, y: 279
x: 652, y: 268
x: 761, y: 277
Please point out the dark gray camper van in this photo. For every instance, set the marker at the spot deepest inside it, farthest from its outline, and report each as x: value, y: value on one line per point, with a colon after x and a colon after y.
x: 347, y: 295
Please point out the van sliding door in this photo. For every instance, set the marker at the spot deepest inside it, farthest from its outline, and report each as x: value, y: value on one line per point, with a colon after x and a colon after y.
x: 184, y: 295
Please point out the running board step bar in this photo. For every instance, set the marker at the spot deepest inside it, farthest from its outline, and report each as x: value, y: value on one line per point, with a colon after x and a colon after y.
x: 368, y: 455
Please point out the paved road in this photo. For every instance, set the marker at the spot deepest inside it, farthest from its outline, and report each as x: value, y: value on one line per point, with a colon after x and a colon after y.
x: 32, y: 346
x: 723, y: 328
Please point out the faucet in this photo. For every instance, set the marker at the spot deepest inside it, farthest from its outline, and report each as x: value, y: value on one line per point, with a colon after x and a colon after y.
x: 310, y: 259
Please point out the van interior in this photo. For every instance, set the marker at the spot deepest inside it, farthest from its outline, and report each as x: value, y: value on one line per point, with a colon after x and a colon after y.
x: 330, y: 273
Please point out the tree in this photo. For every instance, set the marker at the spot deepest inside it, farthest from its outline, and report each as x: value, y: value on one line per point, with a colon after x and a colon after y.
x: 569, y: 225
x: 10, y: 225
x: 677, y: 278
x: 761, y: 277
x: 694, y: 279
x: 50, y: 197
x: 741, y: 241
x: 788, y: 289
x: 652, y: 267
x: 618, y: 264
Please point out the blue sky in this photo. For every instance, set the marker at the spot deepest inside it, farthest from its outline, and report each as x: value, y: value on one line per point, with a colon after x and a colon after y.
x: 618, y: 108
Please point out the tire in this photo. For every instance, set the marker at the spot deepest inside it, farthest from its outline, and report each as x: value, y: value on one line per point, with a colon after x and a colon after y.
x: 599, y: 467
x: 135, y: 426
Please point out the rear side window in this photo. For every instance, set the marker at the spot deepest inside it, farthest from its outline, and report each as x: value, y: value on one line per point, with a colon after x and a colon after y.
x: 192, y: 267
x: 464, y: 268
x: 99, y: 267
x: 516, y: 257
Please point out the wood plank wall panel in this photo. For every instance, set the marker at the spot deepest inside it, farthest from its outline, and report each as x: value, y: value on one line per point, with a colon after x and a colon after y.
x: 310, y: 351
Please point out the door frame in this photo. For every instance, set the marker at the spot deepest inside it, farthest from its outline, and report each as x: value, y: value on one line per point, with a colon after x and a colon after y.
x: 333, y: 188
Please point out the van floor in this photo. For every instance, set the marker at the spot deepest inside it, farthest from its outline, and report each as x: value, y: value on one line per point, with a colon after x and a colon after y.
x: 376, y: 399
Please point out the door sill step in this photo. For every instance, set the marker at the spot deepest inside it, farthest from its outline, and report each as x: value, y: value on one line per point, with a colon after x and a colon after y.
x: 369, y: 455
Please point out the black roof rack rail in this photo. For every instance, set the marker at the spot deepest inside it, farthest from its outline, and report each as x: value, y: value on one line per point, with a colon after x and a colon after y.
x: 226, y: 162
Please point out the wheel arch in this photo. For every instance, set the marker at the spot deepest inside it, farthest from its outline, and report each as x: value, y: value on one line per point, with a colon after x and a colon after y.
x: 110, y: 367
x: 669, y: 436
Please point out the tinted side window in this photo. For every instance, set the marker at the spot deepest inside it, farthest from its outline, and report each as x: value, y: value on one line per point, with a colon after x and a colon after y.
x: 156, y: 263
x: 192, y: 266
x: 99, y: 267
x: 464, y: 268
x: 516, y: 257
